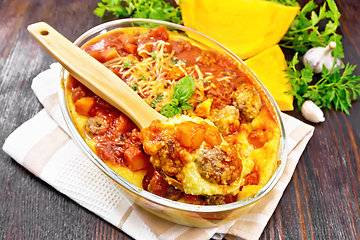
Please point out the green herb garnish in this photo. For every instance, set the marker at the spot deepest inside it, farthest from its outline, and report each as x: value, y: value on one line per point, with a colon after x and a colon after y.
x: 153, y: 55
x: 304, y: 32
x: 156, y: 100
x: 183, y: 90
x: 176, y: 60
x: 333, y: 89
x: 181, y: 62
x: 135, y: 87
x: 143, y: 78
x: 127, y: 64
x: 153, y: 9
x: 204, y: 81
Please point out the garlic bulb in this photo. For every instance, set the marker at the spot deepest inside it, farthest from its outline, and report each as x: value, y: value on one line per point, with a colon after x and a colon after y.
x: 312, y: 112
x: 319, y: 56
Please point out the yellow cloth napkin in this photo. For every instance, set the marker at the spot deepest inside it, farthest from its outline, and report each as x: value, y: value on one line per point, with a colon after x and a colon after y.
x: 43, y: 146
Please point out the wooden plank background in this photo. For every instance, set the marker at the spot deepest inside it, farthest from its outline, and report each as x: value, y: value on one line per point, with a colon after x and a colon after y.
x: 321, y: 201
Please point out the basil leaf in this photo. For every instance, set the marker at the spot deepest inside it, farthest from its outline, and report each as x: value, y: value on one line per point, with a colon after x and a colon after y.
x: 170, y: 110
x: 186, y: 106
x: 184, y: 89
x: 174, y: 102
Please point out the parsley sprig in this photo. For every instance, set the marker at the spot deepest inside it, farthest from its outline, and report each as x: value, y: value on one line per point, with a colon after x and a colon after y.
x: 332, y: 90
x: 152, y: 9
x: 305, y: 31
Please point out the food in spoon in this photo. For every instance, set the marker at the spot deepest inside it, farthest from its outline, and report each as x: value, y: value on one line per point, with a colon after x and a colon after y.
x: 191, y: 152
x: 220, y: 143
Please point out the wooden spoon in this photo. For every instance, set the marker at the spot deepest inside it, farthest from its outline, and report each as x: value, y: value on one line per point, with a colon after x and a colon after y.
x: 98, y: 79
x: 94, y: 75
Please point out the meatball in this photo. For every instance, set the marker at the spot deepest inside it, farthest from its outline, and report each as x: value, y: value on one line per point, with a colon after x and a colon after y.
x: 227, y: 120
x: 218, y: 167
x: 248, y: 101
x: 167, y: 159
x: 95, y: 126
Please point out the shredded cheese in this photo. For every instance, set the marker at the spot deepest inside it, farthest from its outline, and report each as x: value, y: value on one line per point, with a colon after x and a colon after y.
x: 151, y: 73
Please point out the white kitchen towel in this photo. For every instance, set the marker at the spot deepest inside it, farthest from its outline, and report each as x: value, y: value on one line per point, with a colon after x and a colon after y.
x: 43, y: 146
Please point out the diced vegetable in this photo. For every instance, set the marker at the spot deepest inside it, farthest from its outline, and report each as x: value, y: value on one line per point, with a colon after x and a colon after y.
x: 253, y: 177
x: 160, y: 33
x: 176, y: 73
x: 111, y: 53
x: 203, y: 109
x: 84, y: 105
x: 212, y: 135
x: 129, y: 47
x: 105, y: 55
x: 123, y: 124
x: 126, y: 38
x: 135, y: 159
x: 258, y: 138
x: 190, y: 134
x: 127, y: 43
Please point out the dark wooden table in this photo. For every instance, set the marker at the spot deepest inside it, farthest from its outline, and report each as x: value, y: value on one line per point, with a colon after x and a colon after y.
x: 321, y: 201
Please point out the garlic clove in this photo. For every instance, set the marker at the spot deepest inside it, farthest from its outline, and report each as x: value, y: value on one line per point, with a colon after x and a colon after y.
x: 312, y: 112
x: 313, y: 56
x: 321, y: 56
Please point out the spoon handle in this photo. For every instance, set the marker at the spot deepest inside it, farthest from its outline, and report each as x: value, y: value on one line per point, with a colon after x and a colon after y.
x: 94, y: 75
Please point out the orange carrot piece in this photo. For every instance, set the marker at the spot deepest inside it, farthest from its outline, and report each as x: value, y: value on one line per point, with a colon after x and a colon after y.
x: 129, y: 47
x: 190, y: 134
x: 84, y: 105
x: 135, y: 159
x: 123, y: 124
x: 105, y: 55
x: 98, y: 55
x: 176, y: 73
x: 110, y: 53
x: 212, y: 135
